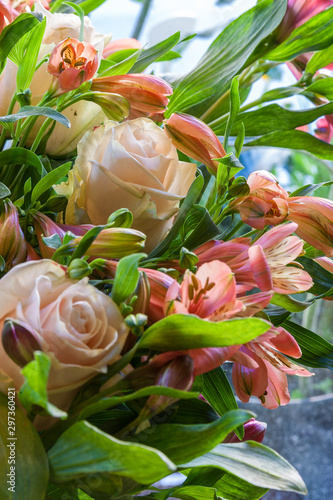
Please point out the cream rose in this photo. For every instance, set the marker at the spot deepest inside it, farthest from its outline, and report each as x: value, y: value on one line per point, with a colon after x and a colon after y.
x: 76, y: 325
x: 84, y: 115
x: 130, y: 165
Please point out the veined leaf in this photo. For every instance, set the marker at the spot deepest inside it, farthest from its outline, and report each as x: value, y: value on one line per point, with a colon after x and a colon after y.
x: 49, y: 180
x: 309, y: 188
x: 26, y: 111
x: 255, y: 463
x: 127, y: 276
x: 110, y: 68
x: 21, y: 156
x: 70, y: 458
x: 150, y: 55
x: 27, y: 66
x: 295, y: 139
x: 182, y: 331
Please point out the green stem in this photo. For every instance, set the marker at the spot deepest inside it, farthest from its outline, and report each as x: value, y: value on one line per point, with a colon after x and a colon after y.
x: 141, y: 19
x: 9, y: 112
x: 40, y: 134
x: 234, y: 230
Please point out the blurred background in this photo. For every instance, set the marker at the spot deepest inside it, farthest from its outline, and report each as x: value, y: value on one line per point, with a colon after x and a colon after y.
x: 302, y: 431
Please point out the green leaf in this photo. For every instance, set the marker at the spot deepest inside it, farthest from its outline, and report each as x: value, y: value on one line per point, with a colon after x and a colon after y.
x: 27, y: 66
x: 84, y: 244
x: 26, y: 111
x: 295, y: 139
x: 127, y: 276
x: 289, y: 303
x: 34, y: 390
x: 234, y: 109
x: 80, y: 12
x: 195, y: 493
x: 49, y: 180
x: 323, y: 87
x: 30, y: 464
x: 4, y: 191
x: 225, y: 58
x: 17, y: 156
x: 319, y: 60
x: 273, y: 118
x: 109, y: 68
x: 84, y: 449
x: 90, y: 5
x: 316, y: 351
x: 182, y: 443
x: 193, y: 411
x: 107, y: 403
x: 12, y: 33
x: 315, y: 34
x: 225, y: 484
x: 198, y: 227
x: 255, y: 463
x: 310, y: 188
x: 321, y: 277
x: 191, y: 197
x: 182, y: 331
x: 150, y: 55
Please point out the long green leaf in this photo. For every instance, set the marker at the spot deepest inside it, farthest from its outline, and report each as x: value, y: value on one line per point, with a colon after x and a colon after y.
x: 322, y: 279
x: 90, y: 5
x: 26, y: 111
x: 295, y: 139
x: 84, y: 449
x: 181, y: 331
x: 255, y: 463
x: 12, y: 33
x: 310, y: 188
x: 150, y: 55
x: 274, y: 118
x: 319, y: 60
x: 315, y: 34
x: 16, y: 156
x: 23, y: 456
x: 218, y: 391
x: 110, y: 68
x: 182, y: 443
x: 227, y: 55
x: 27, y: 66
x: 316, y: 351
x: 49, y: 180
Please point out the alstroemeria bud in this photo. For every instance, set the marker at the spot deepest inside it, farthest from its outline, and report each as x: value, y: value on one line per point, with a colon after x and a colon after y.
x: 73, y: 63
x: 19, y: 342
x: 142, y: 292
x: 177, y: 373
x: 121, y: 44
x: 195, y: 139
x: 114, y: 243
x: 239, y: 188
x: 253, y: 431
x: 187, y: 259
x: 12, y: 243
x: 115, y: 106
x: 44, y: 226
x: 78, y: 269
x: 121, y: 218
x: 145, y: 93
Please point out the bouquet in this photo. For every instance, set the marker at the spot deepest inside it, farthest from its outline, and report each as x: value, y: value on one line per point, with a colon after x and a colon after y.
x: 137, y: 261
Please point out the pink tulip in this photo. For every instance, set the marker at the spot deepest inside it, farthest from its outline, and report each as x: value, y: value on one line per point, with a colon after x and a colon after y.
x: 195, y: 139
x: 298, y: 12
x: 121, y: 44
x: 7, y: 14
x: 146, y: 93
x: 73, y: 63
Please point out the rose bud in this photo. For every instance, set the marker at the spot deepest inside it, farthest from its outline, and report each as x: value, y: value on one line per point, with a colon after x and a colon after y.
x: 195, y: 139
x: 121, y: 44
x: 73, y: 63
x: 253, y: 431
x: 145, y: 93
x: 13, y: 247
x: 19, y: 342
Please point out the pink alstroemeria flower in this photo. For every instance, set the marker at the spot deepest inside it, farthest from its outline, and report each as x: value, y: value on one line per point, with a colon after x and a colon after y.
x: 195, y: 139
x: 260, y: 370
x: 324, y: 128
x: 7, y: 14
x: 121, y: 44
x: 73, y: 63
x: 298, y: 12
x: 147, y: 94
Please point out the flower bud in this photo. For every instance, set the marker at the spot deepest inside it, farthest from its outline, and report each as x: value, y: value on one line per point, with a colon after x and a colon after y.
x: 12, y: 243
x: 19, y: 342
x: 253, y: 431
x: 136, y: 322
x: 142, y: 294
x: 78, y: 269
x: 45, y: 227
x: 24, y: 98
x: 73, y: 63
x: 121, y: 218
x: 195, y: 139
x: 238, y: 188
x: 187, y: 259
x: 115, y: 106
